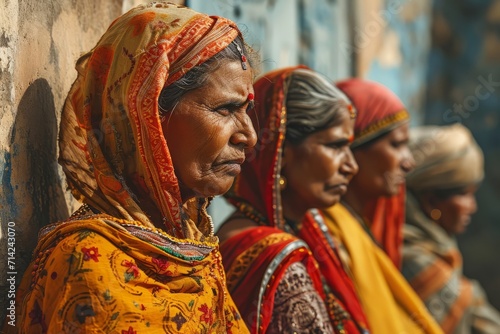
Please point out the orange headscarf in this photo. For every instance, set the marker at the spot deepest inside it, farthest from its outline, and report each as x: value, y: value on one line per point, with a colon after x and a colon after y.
x: 379, y: 111
x: 112, y: 146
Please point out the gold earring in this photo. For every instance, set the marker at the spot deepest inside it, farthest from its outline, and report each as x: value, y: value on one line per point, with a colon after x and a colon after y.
x: 435, y: 214
x: 282, y: 182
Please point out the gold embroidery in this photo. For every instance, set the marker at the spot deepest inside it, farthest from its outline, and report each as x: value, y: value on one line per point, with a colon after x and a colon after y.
x: 242, y: 263
x: 399, y: 116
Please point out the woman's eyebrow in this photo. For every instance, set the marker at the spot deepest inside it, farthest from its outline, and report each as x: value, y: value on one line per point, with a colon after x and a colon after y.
x: 340, y: 141
x: 235, y: 104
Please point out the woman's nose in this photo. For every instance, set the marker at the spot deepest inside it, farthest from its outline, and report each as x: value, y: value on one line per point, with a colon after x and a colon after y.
x: 350, y: 166
x: 245, y: 134
x: 472, y: 203
x: 407, y: 161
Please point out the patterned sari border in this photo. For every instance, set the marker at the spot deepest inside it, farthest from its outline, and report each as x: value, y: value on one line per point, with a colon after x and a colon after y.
x: 270, y: 270
x: 384, y: 125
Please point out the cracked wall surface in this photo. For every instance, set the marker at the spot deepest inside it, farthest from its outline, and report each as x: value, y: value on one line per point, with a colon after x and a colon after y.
x: 39, y: 44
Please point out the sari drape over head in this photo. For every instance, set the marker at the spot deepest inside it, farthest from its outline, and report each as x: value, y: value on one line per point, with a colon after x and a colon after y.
x: 370, y: 249
x: 256, y: 193
x: 115, y: 272
x: 379, y: 112
x: 447, y: 157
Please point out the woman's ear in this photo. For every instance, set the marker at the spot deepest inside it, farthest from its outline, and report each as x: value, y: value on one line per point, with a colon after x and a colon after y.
x: 428, y: 202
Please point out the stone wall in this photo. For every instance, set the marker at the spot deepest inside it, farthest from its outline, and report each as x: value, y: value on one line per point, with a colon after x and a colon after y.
x: 40, y: 42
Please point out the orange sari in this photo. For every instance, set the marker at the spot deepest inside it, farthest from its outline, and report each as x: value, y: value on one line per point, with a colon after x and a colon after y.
x: 116, y: 272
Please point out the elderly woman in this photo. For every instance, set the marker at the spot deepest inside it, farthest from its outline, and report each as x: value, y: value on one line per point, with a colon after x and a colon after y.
x: 367, y: 223
x: 155, y: 123
x: 292, y: 282
x: 440, y: 202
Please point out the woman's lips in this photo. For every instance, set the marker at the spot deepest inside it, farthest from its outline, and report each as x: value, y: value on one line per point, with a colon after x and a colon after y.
x: 231, y: 167
x: 338, y: 188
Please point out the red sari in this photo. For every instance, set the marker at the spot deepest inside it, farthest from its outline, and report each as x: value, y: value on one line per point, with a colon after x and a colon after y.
x: 256, y: 259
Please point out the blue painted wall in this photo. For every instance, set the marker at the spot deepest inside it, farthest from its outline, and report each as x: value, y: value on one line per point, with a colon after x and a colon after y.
x: 407, y: 28
x: 464, y: 86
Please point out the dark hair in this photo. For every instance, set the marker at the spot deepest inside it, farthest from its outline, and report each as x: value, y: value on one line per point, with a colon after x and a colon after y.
x: 196, y: 77
x: 313, y: 104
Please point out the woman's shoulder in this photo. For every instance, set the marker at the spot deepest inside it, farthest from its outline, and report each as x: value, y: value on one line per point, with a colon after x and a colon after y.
x: 234, y: 225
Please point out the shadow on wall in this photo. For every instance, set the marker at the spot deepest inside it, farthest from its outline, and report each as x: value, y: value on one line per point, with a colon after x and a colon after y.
x: 33, y: 194
x: 34, y: 159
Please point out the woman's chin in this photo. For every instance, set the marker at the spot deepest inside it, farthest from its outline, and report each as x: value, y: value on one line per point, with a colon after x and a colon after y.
x: 328, y: 201
x: 216, y: 188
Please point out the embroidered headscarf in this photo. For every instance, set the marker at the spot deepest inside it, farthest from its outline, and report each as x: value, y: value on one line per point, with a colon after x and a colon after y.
x: 112, y: 146
x: 446, y: 157
x: 379, y: 112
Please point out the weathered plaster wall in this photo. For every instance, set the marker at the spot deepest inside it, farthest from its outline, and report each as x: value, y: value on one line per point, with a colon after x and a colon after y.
x: 39, y: 44
x: 464, y: 86
x: 290, y: 32
x: 287, y: 33
x: 390, y: 45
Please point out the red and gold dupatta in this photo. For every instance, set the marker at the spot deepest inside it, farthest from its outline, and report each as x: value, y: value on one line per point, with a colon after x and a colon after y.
x: 256, y: 191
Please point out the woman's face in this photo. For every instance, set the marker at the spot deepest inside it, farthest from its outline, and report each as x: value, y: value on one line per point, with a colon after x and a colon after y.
x: 456, y: 210
x: 383, y: 164
x: 319, y: 169
x: 208, y: 131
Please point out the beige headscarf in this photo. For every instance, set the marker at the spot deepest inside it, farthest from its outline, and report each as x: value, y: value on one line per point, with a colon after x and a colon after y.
x: 446, y: 157
x: 112, y: 146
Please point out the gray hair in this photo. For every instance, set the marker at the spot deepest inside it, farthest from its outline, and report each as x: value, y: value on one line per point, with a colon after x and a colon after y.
x: 313, y: 104
x: 196, y: 77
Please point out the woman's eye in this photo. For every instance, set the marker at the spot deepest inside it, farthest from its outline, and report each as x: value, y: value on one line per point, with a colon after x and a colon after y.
x: 397, y: 144
x: 227, y: 109
x: 339, y: 144
x: 223, y: 111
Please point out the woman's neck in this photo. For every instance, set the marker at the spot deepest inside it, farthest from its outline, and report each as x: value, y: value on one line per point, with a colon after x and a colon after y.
x: 361, y: 204
x: 292, y: 211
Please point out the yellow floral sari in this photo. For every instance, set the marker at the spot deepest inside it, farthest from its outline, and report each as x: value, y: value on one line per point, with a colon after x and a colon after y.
x: 109, y: 269
x: 107, y: 275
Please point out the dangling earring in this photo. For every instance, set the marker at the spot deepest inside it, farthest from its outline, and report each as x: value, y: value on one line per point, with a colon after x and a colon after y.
x: 435, y: 214
x: 282, y: 182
